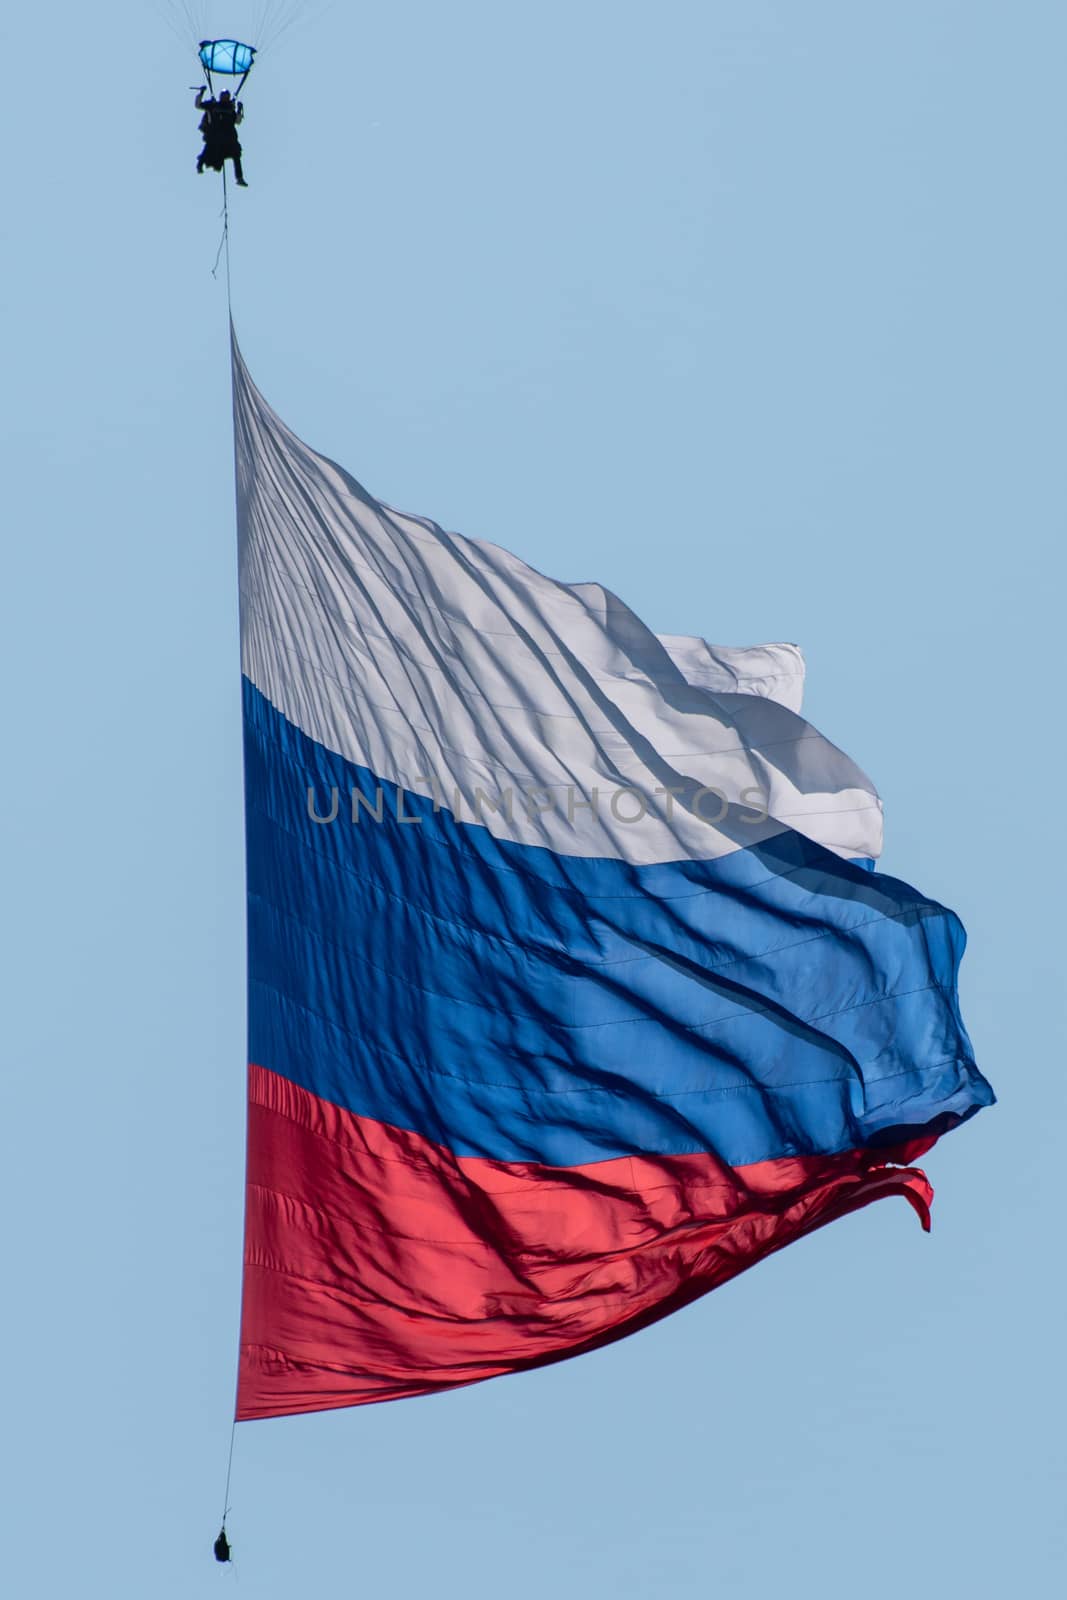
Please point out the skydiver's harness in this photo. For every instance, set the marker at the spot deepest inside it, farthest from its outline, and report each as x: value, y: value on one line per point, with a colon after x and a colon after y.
x: 221, y: 121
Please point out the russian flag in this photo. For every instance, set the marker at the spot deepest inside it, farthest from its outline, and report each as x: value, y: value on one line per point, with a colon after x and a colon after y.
x: 571, y: 991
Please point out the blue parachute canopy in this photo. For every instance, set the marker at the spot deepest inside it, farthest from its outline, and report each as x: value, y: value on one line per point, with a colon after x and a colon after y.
x: 227, y: 56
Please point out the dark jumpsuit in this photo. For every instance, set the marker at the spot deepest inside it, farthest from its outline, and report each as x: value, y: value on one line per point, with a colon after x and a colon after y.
x: 219, y: 127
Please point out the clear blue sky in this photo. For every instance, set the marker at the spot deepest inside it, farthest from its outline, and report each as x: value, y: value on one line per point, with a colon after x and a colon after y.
x: 753, y: 312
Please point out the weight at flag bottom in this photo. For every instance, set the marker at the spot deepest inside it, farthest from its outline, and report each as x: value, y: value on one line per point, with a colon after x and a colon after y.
x: 572, y: 989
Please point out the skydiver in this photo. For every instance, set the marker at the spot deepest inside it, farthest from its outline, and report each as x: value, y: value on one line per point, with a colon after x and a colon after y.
x: 219, y: 127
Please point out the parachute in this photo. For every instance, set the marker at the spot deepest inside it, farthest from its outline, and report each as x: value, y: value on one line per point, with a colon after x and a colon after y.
x: 227, y: 57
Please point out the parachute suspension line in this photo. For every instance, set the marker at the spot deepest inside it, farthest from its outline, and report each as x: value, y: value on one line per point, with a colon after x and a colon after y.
x: 222, y: 1544
x: 192, y: 18
x: 275, y: 17
x: 224, y: 242
x: 221, y: 1547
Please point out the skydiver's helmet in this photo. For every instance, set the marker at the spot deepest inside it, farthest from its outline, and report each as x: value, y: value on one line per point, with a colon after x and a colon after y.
x: 224, y: 97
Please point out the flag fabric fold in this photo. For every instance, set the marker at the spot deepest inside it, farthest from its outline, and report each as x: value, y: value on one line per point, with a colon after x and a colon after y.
x: 571, y: 993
